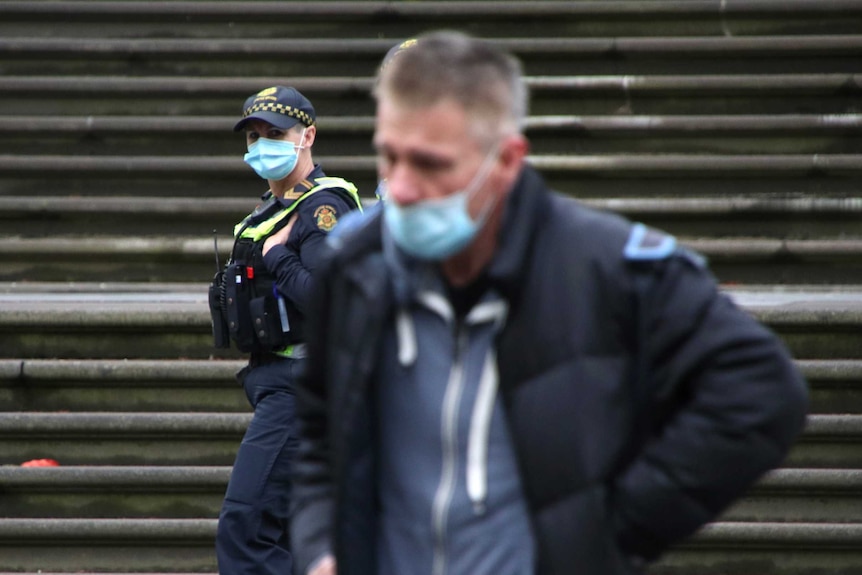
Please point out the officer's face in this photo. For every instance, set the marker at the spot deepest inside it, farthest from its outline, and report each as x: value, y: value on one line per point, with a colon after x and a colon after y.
x: 256, y: 129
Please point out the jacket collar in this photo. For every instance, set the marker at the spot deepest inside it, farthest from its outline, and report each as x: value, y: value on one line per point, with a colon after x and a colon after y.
x: 521, y: 220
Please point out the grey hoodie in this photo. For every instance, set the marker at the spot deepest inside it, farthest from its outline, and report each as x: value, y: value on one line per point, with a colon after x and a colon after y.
x: 450, y: 493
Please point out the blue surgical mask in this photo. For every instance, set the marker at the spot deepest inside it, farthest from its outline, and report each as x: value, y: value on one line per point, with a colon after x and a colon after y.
x: 273, y: 159
x: 435, y: 229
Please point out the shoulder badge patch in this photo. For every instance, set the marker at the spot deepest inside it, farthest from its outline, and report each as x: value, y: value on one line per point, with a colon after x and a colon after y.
x: 326, y: 218
x: 645, y: 243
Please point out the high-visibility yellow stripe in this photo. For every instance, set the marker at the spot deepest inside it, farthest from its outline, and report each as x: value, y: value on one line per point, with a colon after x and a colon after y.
x: 295, y: 351
x: 265, y: 228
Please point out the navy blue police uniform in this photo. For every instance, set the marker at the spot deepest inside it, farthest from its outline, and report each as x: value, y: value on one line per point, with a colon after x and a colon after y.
x: 260, y: 304
x: 253, y: 523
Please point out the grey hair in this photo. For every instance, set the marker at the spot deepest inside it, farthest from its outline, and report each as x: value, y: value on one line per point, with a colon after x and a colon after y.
x: 486, y: 81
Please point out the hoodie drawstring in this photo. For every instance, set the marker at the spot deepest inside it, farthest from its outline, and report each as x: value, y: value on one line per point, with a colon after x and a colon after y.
x: 486, y: 395
x: 483, y: 408
x: 480, y: 430
x: 407, y: 348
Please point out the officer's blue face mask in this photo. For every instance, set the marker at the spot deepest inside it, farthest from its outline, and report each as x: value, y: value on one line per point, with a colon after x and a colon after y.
x: 273, y: 159
x: 437, y: 228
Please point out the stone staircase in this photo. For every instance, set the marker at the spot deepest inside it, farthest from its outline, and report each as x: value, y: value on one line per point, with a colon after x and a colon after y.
x: 735, y: 124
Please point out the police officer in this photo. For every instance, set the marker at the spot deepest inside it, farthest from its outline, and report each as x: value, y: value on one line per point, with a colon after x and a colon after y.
x: 258, y: 303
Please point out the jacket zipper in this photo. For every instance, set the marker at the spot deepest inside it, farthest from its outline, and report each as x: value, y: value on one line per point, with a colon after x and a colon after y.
x: 449, y: 439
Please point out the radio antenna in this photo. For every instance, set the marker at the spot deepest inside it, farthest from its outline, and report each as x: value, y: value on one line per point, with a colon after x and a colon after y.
x: 215, y: 247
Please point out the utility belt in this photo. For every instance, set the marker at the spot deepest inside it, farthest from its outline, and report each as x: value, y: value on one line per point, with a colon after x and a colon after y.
x: 249, y: 311
x: 296, y: 351
x: 245, y: 305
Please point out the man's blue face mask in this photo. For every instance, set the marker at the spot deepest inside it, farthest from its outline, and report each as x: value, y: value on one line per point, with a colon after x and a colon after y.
x: 273, y: 159
x: 437, y: 228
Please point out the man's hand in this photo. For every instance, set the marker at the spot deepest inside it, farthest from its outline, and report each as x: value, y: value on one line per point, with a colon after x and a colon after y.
x: 279, y: 237
x: 324, y: 566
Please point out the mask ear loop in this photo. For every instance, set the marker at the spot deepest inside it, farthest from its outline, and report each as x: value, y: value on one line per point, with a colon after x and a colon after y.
x: 480, y: 177
x: 299, y: 146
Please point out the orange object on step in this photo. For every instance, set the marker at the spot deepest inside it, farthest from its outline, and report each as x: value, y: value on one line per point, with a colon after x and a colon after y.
x: 40, y: 463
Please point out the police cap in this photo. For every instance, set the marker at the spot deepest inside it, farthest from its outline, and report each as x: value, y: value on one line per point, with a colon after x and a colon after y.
x: 280, y: 106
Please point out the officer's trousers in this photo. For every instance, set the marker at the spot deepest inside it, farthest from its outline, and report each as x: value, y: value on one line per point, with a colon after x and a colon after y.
x: 253, y: 525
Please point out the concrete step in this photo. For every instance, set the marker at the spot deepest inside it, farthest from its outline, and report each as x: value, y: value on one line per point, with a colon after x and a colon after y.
x: 173, y: 321
x: 814, y: 324
x: 749, y: 260
x: 731, y: 216
x: 803, y: 496
x: 766, y: 216
x: 541, y: 55
x: 829, y: 442
x: 740, y: 548
x: 514, y: 18
x: 596, y: 175
x: 683, y: 175
x: 182, y: 545
x: 696, y: 134
x: 835, y: 386
x: 176, y: 492
x: 775, y: 166
x: 97, y: 545
x: 121, y: 385
x: 351, y: 135
x: 128, y: 492
x: 99, y: 438
x: 604, y: 92
x: 209, y: 386
x: 102, y: 325
x: 762, y: 260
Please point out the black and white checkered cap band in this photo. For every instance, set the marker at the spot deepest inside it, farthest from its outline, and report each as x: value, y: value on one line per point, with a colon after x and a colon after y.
x: 280, y: 109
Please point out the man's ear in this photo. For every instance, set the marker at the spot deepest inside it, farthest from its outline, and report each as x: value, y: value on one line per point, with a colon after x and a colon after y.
x: 513, y: 150
x: 310, y: 134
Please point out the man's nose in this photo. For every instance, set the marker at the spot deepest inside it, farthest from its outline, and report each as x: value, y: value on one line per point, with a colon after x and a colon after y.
x: 401, y: 187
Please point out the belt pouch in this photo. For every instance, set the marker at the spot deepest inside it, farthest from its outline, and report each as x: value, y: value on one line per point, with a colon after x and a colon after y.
x: 238, y: 294
x: 267, y: 322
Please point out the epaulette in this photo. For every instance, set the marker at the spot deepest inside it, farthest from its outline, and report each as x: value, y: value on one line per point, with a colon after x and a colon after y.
x: 649, y: 244
x: 646, y: 243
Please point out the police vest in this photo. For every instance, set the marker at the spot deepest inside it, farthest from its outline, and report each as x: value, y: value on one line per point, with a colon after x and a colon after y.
x: 245, y: 305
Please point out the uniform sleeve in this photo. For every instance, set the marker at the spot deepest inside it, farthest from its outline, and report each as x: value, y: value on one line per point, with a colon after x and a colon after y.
x: 293, y: 264
x: 731, y: 404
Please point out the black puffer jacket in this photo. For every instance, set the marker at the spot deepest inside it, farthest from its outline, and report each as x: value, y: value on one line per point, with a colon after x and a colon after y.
x: 641, y: 401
